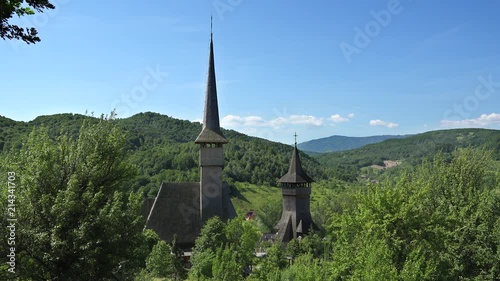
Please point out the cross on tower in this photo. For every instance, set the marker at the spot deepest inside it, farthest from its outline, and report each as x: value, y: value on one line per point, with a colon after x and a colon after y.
x: 295, y: 135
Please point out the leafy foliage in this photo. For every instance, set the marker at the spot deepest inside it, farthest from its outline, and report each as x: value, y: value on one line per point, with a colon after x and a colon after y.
x: 225, y: 266
x: 9, y: 8
x: 224, y: 251
x: 274, y: 262
x: 165, y: 261
x: 437, y: 223
x: 74, y: 214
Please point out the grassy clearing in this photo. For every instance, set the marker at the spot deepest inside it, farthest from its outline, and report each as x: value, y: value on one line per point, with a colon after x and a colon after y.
x: 246, y: 196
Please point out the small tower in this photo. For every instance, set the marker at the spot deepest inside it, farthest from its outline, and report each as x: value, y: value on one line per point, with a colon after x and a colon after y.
x: 296, y: 189
x: 211, y: 140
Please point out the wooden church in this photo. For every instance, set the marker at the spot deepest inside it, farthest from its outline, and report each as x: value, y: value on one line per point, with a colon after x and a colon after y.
x: 180, y: 209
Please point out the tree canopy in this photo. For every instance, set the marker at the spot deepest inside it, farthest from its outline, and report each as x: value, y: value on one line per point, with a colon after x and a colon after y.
x: 10, y: 8
x: 74, y: 215
x: 440, y: 222
x: 224, y: 251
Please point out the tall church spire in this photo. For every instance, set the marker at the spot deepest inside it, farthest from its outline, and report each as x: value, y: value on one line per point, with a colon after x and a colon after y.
x: 211, y: 132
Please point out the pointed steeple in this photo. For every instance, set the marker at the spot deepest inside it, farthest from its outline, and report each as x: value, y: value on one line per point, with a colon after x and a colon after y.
x: 211, y: 132
x: 295, y: 172
x: 296, y: 217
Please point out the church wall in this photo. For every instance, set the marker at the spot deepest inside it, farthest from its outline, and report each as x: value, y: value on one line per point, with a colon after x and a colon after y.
x: 211, y: 156
x: 211, y: 192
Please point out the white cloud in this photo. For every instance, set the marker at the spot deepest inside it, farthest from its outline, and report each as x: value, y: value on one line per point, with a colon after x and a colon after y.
x: 305, y: 120
x: 276, y: 122
x: 257, y: 121
x: 296, y: 120
x: 235, y: 120
x: 482, y: 121
x: 231, y: 121
x: 379, y: 122
x: 337, y: 118
x: 254, y: 121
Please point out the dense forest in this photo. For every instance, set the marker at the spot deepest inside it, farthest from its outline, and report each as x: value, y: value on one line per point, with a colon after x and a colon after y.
x: 81, y: 180
x: 163, y: 148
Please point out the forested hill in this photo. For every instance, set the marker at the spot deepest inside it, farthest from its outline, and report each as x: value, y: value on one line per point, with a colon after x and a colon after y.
x: 341, y: 143
x: 163, y: 148
x: 413, y: 149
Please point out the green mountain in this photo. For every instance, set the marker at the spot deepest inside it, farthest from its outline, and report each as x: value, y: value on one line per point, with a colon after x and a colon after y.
x: 411, y: 150
x: 341, y: 143
x: 163, y: 149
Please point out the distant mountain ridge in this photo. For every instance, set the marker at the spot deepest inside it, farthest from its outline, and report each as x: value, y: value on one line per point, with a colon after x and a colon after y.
x: 341, y: 143
x: 410, y: 151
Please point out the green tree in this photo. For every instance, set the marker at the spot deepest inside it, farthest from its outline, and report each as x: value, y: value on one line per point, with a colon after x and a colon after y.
x: 152, y: 239
x: 273, y: 263
x: 226, y: 266
x: 220, y: 245
x: 9, y: 8
x: 307, y: 268
x: 159, y: 260
x: 74, y: 216
x: 212, y: 237
x: 202, y: 263
x: 163, y: 261
x: 438, y: 222
x: 242, y: 236
x: 313, y: 244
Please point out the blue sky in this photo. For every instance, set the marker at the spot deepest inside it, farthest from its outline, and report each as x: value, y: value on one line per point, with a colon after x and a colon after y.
x: 318, y: 68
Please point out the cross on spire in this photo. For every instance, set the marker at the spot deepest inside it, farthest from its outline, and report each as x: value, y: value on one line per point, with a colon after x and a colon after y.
x: 296, y: 174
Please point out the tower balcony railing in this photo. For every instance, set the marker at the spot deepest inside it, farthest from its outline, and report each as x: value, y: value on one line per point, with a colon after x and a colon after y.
x: 295, y: 185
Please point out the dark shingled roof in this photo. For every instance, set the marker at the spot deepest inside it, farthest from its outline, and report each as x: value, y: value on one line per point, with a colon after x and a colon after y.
x: 175, y: 211
x: 295, y: 172
x: 285, y: 230
x: 211, y: 132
